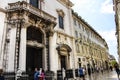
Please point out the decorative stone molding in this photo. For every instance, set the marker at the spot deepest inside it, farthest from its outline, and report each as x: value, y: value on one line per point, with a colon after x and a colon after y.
x: 22, y: 7
x: 117, y: 1
x: 15, y: 22
x: 60, y: 12
x: 66, y: 3
x: 49, y: 29
x: 63, y: 49
x: 31, y: 16
x: 2, y: 10
x: 35, y: 44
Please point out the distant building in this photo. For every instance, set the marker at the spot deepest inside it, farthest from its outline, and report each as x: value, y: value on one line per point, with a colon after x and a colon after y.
x: 91, y: 48
x: 111, y: 57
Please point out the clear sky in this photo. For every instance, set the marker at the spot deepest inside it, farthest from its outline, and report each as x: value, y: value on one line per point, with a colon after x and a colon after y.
x: 100, y: 15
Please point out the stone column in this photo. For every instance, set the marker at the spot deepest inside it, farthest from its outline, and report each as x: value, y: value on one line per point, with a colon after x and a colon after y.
x: 49, y: 34
x: 11, y: 53
x: 22, y: 55
x: 44, y: 52
x: 50, y: 52
x: 2, y: 45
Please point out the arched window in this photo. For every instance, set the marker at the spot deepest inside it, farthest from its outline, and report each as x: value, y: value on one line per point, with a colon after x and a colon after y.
x: 34, y: 34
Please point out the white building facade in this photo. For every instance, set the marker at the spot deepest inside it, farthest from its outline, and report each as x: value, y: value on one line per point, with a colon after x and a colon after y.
x: 41, y: 34
x: 36, y: 33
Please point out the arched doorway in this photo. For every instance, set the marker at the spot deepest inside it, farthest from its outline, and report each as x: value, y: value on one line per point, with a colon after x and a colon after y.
x: 64, y: 53
x: 34, y: 49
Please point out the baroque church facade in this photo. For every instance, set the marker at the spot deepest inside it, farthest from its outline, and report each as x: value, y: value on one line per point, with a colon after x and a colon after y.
x: 36, y: 33
x: 32, y: 37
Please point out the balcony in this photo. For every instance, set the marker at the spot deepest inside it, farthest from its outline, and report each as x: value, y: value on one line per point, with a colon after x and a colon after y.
x: 24, y: 6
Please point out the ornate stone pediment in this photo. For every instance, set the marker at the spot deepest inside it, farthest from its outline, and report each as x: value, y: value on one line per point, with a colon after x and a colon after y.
x: 64, y: 49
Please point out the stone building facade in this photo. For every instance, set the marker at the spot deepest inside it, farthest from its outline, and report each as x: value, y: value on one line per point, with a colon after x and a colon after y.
x: 91, y: 48
x: 36, y: 33
x: 116, y: 8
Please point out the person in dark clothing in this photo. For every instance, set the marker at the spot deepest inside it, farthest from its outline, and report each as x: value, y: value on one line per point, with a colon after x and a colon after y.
x: 36, y: 74
x: 89, y: 71
x: 81, y: 73
x: 1, y: 75
x: 116, y: 66
x: 111, y: 68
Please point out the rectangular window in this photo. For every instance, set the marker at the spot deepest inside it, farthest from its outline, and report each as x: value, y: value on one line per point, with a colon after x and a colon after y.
x: 34, y: 3
x: 77, y: 48
x: 75, y: 22
x: 79, y: 61
x: 76, y: 34
x: 61, y: 22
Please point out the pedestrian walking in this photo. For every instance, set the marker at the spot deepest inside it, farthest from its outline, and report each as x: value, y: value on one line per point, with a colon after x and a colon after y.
x: 1, y: 75
x: 36, y: 74
x: 89, y: 71
x: 42, y: 75
x: 111, y: 68
x: 116, y: 66
x: 81, y: 73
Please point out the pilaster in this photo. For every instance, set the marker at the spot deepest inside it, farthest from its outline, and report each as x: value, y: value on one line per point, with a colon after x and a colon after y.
x: 11, y: 54
x: 22, y: 55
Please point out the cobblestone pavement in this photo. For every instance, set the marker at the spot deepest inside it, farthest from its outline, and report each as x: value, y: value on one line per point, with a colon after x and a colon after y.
x: 105, y: 76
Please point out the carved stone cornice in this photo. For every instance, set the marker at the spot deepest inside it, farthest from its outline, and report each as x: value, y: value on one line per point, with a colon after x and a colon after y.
x: 63, y: 33
x: 66, y: 3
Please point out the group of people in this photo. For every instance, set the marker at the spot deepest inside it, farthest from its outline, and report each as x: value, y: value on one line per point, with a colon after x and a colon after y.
x: 89, y: 71
x: 82, y: 72
x: 39, y: 74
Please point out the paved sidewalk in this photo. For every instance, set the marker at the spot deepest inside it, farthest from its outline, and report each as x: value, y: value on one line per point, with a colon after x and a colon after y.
x: 105, y: 76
